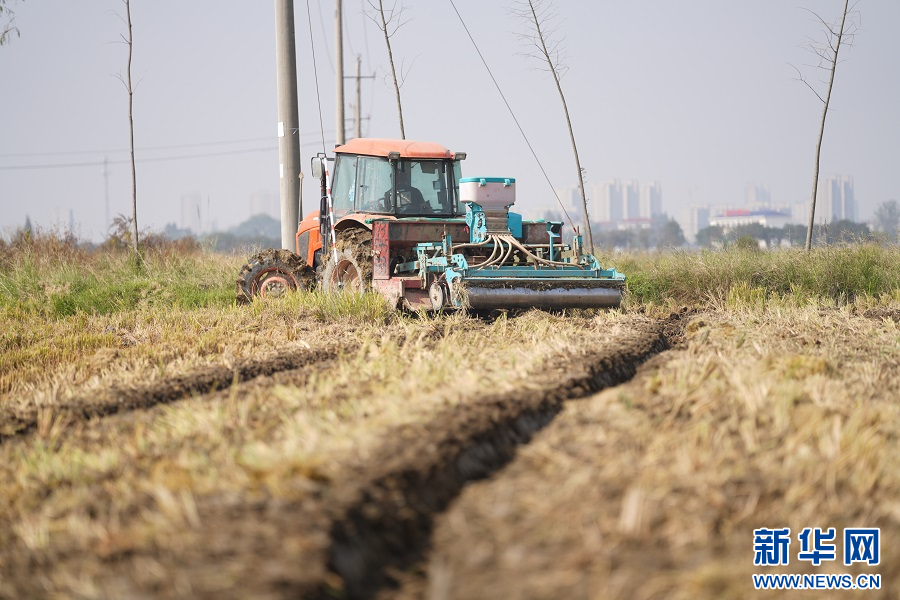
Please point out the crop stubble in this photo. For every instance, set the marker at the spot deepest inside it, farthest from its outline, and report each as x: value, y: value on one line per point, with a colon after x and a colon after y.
x: 766, y: 417
x: 246, y: 490
x: 591, y: 508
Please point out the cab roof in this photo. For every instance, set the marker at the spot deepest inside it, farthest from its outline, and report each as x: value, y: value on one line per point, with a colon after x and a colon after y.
x: 383, y: 146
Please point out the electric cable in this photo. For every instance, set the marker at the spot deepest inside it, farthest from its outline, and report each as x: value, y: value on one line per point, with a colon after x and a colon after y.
x: 100, y: 163
x: 142, y: 149
x: 522, y: 131
x: 324, y: 34
x: 315, y: 74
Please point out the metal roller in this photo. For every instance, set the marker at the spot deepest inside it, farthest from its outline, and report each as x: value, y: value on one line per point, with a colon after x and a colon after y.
x: 542, y: 295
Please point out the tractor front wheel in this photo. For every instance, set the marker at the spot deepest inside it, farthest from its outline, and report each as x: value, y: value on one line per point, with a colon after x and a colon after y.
x: 351, y: 269
x: 271, y: 274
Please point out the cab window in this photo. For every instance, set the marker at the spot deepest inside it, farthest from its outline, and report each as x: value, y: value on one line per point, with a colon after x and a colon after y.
x: 374, y: 184
x: 344, y: 188
x: 423, y: 188
x: 457, y: 175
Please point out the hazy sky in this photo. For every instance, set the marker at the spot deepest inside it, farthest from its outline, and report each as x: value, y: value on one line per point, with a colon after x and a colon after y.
x: 698, y: 94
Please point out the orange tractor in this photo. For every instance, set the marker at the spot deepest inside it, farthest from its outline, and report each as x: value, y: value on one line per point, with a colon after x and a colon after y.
x: 400, y: 220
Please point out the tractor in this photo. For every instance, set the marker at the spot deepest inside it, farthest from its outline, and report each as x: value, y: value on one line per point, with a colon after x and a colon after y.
x: 399, y: 219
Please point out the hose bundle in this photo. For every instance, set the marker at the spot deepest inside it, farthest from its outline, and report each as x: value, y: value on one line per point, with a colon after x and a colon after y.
x: 504, y: 245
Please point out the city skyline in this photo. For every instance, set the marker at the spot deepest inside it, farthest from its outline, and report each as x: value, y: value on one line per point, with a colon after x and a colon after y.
x: 683, y: 94
x: 609, y: 203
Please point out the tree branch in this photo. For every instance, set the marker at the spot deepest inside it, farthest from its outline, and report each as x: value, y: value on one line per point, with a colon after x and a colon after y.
x: 383, y: 19
x: 539, y: 17
x: 803, y: 79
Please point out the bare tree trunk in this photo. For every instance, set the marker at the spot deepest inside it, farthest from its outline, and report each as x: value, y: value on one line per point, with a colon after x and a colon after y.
x: 130, y: 87
x: 387, y: 41
x: 553, y: 71
x: 815, y: 184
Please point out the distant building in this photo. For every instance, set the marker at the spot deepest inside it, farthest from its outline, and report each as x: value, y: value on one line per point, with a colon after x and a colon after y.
x: 757, y: 196
x: 837, y: 200
x: 607, y: 203
x: 800, y: 212
x: 631, y: 200
x: 732, y: 218
x: 650, y: 204
x: 636, y: 223
x: 615, y: 201
x: 697, y: 219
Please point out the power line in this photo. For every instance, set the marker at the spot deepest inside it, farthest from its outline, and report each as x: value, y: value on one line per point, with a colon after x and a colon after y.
x: 346, y: 29
x: 315, y: 71
x: 125, y: 161
x: 365, y: 24
x: 365, y: 35
x: 144, y: 148
x: 144, y: 160
x: 324, y: 34
x: 509, y: 108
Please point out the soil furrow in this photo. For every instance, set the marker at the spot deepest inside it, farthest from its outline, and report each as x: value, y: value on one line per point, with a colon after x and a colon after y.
x: 386, y: 523
x: 653, y: 489
x: 292, y: 529
x: 17, y: 421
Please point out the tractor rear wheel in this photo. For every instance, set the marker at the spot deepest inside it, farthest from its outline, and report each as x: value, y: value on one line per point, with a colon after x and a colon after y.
x: 351, y: 271
x: 271, y: 274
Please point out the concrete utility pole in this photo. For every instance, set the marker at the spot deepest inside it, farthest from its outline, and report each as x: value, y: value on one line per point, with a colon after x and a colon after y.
x: 339, y: 72
x: 357, y: 109
x: 288, y: 122
x: 357, y: 113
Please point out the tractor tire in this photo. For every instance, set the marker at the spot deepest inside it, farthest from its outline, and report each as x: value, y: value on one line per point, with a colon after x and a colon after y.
x: 271, y: 274
x: 352, y: 271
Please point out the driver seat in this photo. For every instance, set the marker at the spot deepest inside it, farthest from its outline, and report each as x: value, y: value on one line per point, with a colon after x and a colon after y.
x: 412, y: 202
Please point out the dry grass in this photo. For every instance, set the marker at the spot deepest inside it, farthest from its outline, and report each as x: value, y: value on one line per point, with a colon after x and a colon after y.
x: 772, y: 416
x: 81, y: 498
x: 781, y: 410
x: 71, y: 318
x: 839, y: 274
x: 47, y: 363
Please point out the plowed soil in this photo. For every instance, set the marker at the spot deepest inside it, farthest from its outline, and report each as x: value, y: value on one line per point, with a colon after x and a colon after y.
x: 634, y: 463
x: 19, y: 420
x: 653, y: 489
x: 250, y: 527
x: 385, y: 523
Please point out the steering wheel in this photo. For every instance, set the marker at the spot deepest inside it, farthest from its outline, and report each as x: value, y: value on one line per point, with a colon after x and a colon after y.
x: 415, y: 204
x: 384, y: 204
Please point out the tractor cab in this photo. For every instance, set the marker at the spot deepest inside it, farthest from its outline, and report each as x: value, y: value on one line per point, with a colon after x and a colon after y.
x: 397, y: 178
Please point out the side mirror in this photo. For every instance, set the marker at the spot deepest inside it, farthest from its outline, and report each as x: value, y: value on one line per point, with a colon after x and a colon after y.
x: 316, y: 165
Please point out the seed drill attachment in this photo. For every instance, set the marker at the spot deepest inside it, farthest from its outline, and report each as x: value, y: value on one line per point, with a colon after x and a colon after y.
x: 509, y: 263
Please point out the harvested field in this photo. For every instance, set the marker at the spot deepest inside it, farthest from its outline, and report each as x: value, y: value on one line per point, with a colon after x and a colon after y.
x: 222, y: 492
x: 18, y: 420
x: 157, y: 441
x: 766, y: 417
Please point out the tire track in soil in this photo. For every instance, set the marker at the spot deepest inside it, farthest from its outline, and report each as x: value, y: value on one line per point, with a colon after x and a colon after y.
x: 346, y: 538
x: 19, y: 421
x: 385, y: 524
x: 882, y: 312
